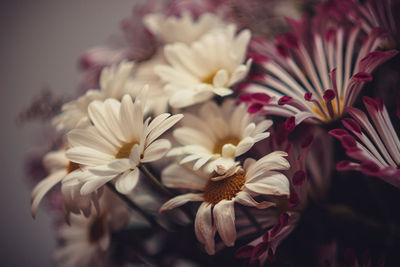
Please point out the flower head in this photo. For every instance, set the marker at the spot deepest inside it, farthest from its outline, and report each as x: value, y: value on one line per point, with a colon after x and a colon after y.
x: 376, y: 148
x: 220, y: 191
x: 115, y: 81
x: 218, y: 134
x: 117, y: 142
x: 313, y: 81
x: 207, y: 67
x: 183, y: 29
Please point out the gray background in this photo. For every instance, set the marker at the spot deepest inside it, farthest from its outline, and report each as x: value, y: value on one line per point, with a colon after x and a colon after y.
x: 40, y: 43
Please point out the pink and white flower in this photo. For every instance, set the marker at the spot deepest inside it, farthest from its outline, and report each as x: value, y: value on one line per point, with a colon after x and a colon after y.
x: 374, y: 146
x: 312, y: 81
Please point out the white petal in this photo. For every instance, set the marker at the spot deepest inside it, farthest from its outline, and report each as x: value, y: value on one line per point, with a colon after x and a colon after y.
x: 89, y: 138
x: 134, y: 157
x: 244, y: 146
x: 272, y: 161
x: 180, y: 200
x: 156, y: 150
x: 246, y: 199
x: 204, y: 228
x: 273, y: 183
x: 88, y: 156
x: 43, y: 187
x: 177, y: 176
x: 224, y: 218
x: 94, y: 184
x: 163, y: 127
x: 221, y: 78
x: 127, y: 181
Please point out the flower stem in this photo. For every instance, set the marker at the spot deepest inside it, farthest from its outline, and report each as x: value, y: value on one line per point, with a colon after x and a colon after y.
x: 164, y: 190
x: 251, y: 218
x: 155, y: 181
x: 135, y: 207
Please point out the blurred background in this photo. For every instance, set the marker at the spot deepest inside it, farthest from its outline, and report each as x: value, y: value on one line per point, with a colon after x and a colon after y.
x: 40, y: 44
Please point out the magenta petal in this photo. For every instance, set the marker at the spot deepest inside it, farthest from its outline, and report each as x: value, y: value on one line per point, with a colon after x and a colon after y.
x: 244, y: 252
x: 266, y: 237
x: 338, y: 133
x: 343, y: 165
x: 259, y: 250
x: 299, y: 177
x: 363, y: 76
x: 330, y: 34
x: 377, y: 103
x: 290, y: 123
x: 348, y: 142
x: 260, y: 98
x: 284, y: 100
x: 370, y: 168
x: 246, y: 98
x: 294, y: 200
x: 258, y: 58
x: 352, y: 125
x: 254, y: 108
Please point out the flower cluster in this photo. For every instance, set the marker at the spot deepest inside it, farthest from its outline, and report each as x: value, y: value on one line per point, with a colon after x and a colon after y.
x: 179, y: 129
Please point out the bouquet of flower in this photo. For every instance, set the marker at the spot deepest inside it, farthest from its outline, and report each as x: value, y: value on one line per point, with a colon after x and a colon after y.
x: 215, y: 133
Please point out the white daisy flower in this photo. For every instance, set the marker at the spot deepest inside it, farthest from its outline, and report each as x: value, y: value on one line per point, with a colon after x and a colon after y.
x: 218, y: 134
x: 184, y: 29
x: 205, y: 68
x: 157, y: 100
x: 117, y: 142
x: 219, y: 194
x: 59, y: 168
x: 86, y: 240
x: 115, y: 81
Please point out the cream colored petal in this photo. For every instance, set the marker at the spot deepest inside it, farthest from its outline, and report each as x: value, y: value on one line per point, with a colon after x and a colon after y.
x: 127, y: 181
x: 177, y: 176
x: 224, y: 218
x: 204, y: 228
x: 180, y: 200
x: 156, y: 150
x: 43, y: 187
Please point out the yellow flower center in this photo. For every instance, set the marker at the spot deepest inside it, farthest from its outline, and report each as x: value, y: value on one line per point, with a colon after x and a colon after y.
x: 209, y: 78
x: 229, y: 140
x: 337, y: 113
x: 72, y: 166
x: 227, y: 188
x: 125, y: 151
x: 97, y: 229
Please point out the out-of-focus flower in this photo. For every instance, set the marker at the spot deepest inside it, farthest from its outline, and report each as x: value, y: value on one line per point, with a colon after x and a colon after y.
x: 313, y: 80
x: 115, y: 81
x: 218, y: 134
x: 183, y: 29
x: 86, y: 241
x: 59, y: 167
x: 219, y: 192
x: 369, y: 15
x: 117, y: 142
x: 207, y: 67
x: 376, y: 150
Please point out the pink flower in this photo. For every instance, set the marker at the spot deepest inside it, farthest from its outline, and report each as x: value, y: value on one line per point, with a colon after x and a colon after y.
x: 374, y: 147
x: 312, y: 76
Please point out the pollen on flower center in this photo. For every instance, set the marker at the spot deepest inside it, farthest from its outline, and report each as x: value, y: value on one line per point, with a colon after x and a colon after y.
x: 209, y: 78
x: 327, y: 118
x: 227, y: 188
x: 72, y: 166
x: 125, y: 151
x: 96, y: 229
x: 229, y: 140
